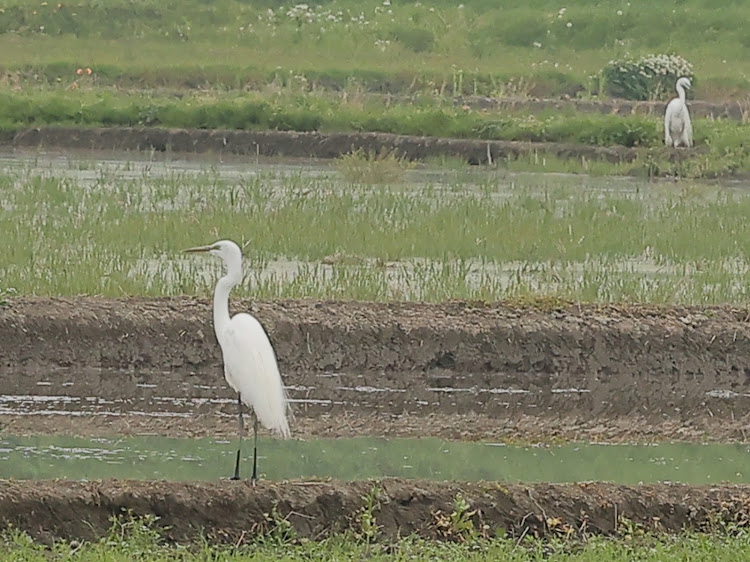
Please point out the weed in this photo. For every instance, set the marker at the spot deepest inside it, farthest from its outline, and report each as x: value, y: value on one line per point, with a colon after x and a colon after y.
x: 17, y: 542
x: 134, y: 536
x: 629, y: 530
x: 367, y: 525
x: 5, y: 296
x: 458, y: 525
x: 280, y: 529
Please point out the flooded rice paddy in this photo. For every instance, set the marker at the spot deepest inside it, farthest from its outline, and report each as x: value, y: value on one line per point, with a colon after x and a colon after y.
x: 48, y: 457
x: 439, y: 232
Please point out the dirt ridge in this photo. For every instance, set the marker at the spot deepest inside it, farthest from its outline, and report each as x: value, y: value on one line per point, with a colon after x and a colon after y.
x: 311, y: 144
x: 230, y: 511
x: 500, y: 367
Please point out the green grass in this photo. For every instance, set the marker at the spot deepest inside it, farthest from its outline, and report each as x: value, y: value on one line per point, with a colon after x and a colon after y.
x: 155, y: 64
x: 478, y: 46
x: 324, y: 112
x: 289, y: 110
x: 140, y: 539
x: 118, y: 230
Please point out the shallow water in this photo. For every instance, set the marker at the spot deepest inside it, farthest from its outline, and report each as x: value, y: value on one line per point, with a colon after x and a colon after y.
x: 49, y: 457
x: 88, y: 167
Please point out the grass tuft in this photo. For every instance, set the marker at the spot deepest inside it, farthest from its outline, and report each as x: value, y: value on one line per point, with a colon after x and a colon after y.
x: 370, y: 167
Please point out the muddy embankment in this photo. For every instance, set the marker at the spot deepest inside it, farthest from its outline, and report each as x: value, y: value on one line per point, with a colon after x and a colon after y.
x: 457, y: 370
x: 232, y: 512
x: 334, y: 145
x: 307, y: 145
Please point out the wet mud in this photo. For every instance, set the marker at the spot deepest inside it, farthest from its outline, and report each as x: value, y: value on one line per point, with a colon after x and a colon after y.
x: 89, y: 366
x: 314, y: 144
x: 233, y: 512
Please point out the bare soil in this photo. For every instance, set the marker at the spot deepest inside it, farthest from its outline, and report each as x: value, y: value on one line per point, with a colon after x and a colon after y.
x: 89, y: 366
x: 231, y: 512
x: 314, y: 144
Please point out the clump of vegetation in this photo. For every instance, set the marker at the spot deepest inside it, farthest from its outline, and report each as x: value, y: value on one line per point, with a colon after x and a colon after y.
x: 132, y: 538
x: 371, y: 167
x: 5, y: 295
x: 279, y: 529
x: 648, y: 78
x: 458, y: 525
x: 368, y: 528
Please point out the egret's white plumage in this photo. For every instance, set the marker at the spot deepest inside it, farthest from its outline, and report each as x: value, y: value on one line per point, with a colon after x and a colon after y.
x: 250, y: 365
x: 250, y: 369
x: 678, y: 131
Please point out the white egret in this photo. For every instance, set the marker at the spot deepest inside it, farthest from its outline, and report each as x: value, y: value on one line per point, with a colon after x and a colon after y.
x: 249, y: 360
x: 677, y: 127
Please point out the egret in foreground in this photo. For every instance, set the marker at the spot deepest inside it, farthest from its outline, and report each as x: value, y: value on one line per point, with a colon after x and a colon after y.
x: 677, y: 127
x: 249, y: 360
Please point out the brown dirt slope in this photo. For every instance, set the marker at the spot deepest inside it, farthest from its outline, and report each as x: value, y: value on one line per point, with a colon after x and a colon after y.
x: 471, y: 370
x: 230, y: 511
x: 311, y: 144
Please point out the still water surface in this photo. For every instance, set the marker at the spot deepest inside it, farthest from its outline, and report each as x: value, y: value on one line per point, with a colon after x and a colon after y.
x: 348, y: 459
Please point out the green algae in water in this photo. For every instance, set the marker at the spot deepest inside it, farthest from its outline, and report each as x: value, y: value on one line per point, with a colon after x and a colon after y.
x: 45, y: 457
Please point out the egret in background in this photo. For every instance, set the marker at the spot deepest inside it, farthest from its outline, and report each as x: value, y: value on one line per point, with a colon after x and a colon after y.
x: 677, y: 127
x: 249, y: 360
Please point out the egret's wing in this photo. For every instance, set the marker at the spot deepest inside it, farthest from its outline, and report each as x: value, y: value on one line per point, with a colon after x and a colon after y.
x: 688, y: 128
x: 251, y: 363
x: 668, y: 124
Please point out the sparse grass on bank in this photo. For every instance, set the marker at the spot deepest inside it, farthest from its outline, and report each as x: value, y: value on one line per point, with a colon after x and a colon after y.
x: 326, y: 113
x: 119, y: 231
x: 141, y: 539
x: 310, y: 112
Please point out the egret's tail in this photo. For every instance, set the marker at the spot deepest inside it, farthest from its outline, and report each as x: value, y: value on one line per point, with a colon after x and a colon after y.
x: 273, y: 414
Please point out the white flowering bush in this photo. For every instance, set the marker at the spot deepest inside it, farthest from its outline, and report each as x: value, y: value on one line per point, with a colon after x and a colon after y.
x: 648, y: 78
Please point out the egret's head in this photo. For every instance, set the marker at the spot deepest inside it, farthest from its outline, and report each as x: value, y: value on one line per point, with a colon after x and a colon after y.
x: 225, y: 249
x: 684, y: 82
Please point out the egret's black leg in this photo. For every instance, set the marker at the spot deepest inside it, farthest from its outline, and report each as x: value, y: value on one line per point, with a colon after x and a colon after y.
x: 241, y: 433
x: 255, y: 448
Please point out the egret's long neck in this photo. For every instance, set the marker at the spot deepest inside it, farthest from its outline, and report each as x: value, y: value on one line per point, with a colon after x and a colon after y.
x: 681, y: 92
x: 221, y: 294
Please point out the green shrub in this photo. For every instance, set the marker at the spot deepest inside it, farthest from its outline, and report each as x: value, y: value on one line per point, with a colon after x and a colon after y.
x: 647, y: 78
